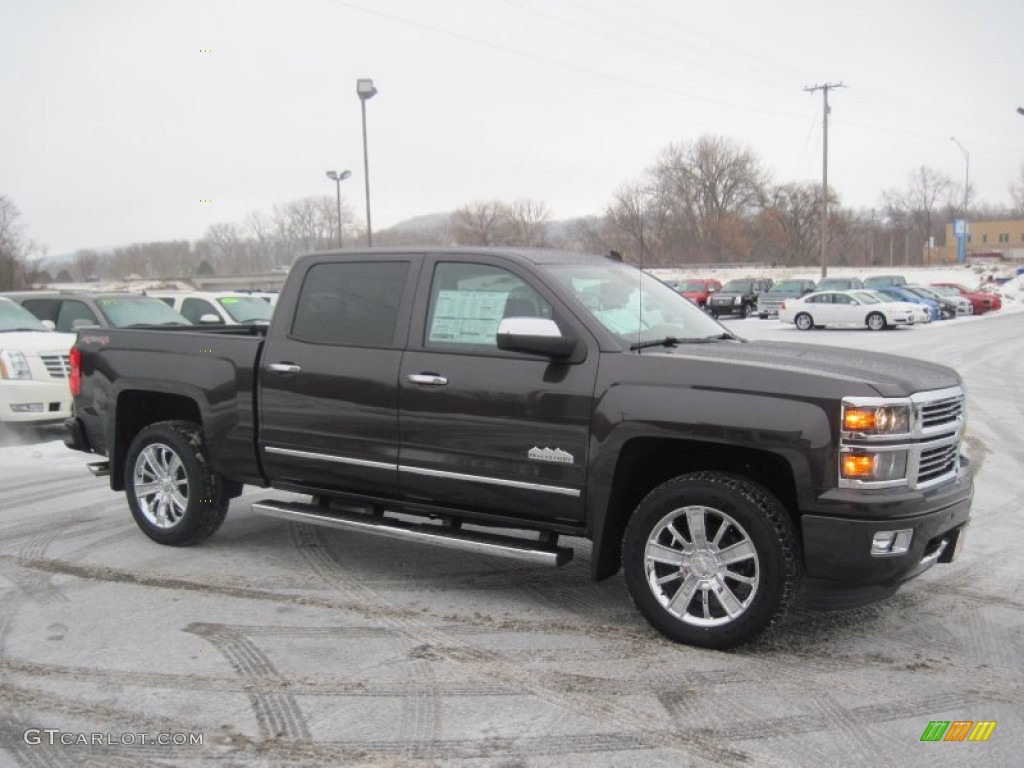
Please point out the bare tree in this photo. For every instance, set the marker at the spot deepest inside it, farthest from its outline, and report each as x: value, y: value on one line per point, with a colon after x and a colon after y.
x: 696, y: 204
x: 225, y: 249
x: 528, y: 223
x: 15, y: 247
x: 305, y: 225
x: 916, y: 206
x: 86, y: 263
x: 788, y: 230
x: 640, y: 225
x: 480, y: 223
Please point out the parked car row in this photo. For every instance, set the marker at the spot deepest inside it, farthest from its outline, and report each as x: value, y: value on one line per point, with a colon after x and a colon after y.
x: 37, y: 329
x: 747, y: 296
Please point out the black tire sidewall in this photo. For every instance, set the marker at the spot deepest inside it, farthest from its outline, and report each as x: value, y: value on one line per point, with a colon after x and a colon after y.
x: 810, y: 324
x: 207, y: 502
x: 769, y: 529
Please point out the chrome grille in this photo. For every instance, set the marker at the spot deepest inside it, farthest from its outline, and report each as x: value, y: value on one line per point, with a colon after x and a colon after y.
x: 58, y: 366
x: 942, y: 412
x: 936, y: 463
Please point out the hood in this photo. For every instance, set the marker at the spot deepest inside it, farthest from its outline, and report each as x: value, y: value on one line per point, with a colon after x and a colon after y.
x: 787, y: 367
x: 37, y: 342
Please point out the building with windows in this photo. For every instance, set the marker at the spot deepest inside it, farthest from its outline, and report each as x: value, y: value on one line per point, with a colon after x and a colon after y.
x: 996, y: 241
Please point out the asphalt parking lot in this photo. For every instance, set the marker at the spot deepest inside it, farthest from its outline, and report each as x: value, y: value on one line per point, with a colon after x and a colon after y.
x: 282, y: 644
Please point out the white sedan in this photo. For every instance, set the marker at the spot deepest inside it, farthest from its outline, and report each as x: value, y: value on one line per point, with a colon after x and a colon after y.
x: 858, y: 308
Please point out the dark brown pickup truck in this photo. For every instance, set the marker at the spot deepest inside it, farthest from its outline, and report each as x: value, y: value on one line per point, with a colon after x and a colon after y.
x: 490, y: 393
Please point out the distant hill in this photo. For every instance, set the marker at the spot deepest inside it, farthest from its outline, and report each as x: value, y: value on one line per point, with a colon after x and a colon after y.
x: 419, y: 223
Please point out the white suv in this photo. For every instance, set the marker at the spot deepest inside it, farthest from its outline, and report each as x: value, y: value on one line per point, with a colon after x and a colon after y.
x: 218, y: 308
x: 33, y: 368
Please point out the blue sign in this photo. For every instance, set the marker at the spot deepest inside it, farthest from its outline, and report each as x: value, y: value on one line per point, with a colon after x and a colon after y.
x: 960, y: 231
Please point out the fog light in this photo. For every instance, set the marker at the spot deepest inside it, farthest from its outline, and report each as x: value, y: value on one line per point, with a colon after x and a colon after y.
x: 27, y: 408
x: 892, y: 542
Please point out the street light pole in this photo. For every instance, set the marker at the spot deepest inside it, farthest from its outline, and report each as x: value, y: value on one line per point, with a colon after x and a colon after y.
x: 365, y: 89
x: 337, y: 178
x: 967, y: 170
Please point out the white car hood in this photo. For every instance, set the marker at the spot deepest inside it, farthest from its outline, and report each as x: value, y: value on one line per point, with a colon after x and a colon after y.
x: 37, y: 342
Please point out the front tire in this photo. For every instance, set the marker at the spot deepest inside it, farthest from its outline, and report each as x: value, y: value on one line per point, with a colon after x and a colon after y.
x: 876, y: 321
x: 711, y: 559
x: 175, y: 496
x: 804, y: 322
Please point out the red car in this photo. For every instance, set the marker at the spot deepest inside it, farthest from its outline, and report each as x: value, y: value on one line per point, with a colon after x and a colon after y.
x: 980, y: 301
x: 698, y: 289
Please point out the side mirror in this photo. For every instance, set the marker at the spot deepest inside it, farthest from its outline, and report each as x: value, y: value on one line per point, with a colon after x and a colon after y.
x: 210, y: 319
x: 50, y: 325
x: 535, y: 336
x: 82, y: 322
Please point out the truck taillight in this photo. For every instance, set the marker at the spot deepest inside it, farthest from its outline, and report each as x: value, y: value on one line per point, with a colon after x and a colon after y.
x: 75, y: 375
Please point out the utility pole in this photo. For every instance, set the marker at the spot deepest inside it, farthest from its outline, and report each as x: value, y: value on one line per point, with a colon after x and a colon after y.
x: 824, y: 169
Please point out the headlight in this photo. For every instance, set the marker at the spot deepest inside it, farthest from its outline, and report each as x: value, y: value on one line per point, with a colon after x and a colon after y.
x: 876, y: 419
x: 873, y: 467
x: 13, y: 365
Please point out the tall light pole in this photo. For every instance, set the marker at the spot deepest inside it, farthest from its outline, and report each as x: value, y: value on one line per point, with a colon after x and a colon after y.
x: 967, y: 170
x: 337, y: 178
x: 365, y: 89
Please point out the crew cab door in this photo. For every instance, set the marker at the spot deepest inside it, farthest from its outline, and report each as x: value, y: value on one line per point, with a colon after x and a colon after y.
x: 328, y: 397
x: 485, y: 429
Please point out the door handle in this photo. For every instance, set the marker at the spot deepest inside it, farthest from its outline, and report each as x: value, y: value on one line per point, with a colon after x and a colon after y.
x: 427, y: 379
x: 283, y: 368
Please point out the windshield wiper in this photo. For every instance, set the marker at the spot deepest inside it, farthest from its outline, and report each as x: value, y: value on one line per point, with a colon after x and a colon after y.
x: 674, y: 341
x: 667, y: 341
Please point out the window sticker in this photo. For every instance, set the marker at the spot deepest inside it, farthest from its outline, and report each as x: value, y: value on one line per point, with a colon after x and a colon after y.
x: 467, y: 317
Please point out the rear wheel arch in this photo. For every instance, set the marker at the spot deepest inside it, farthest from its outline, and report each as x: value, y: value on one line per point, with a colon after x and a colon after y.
x: 136, y: 410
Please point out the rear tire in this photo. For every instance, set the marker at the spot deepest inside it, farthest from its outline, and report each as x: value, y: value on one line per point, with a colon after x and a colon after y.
x: 804, y: 322
x: 711, y: 559
x: 175, y: 496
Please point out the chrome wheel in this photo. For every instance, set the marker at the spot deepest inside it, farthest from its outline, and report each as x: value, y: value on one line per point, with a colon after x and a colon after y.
x: 160, y: 483
x: 804, y: 322
x: 702, y: 566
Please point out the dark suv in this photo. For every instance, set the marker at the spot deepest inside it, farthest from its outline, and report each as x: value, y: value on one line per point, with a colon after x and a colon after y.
x: 739, y: 297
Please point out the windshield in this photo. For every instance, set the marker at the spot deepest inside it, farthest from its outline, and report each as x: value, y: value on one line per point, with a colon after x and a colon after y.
x: 867, y: 297
x: 942, y: 290
x: 788, y: 286
x: 925, y: 292
x: 247, y: 309
x: 737, y: 286
x: 632, y: 305
x: 692, y: 286
x: 15, y: 318
x: 123, y: 311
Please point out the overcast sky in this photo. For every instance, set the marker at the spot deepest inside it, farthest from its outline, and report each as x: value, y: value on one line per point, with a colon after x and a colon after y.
x: 120, y: 119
